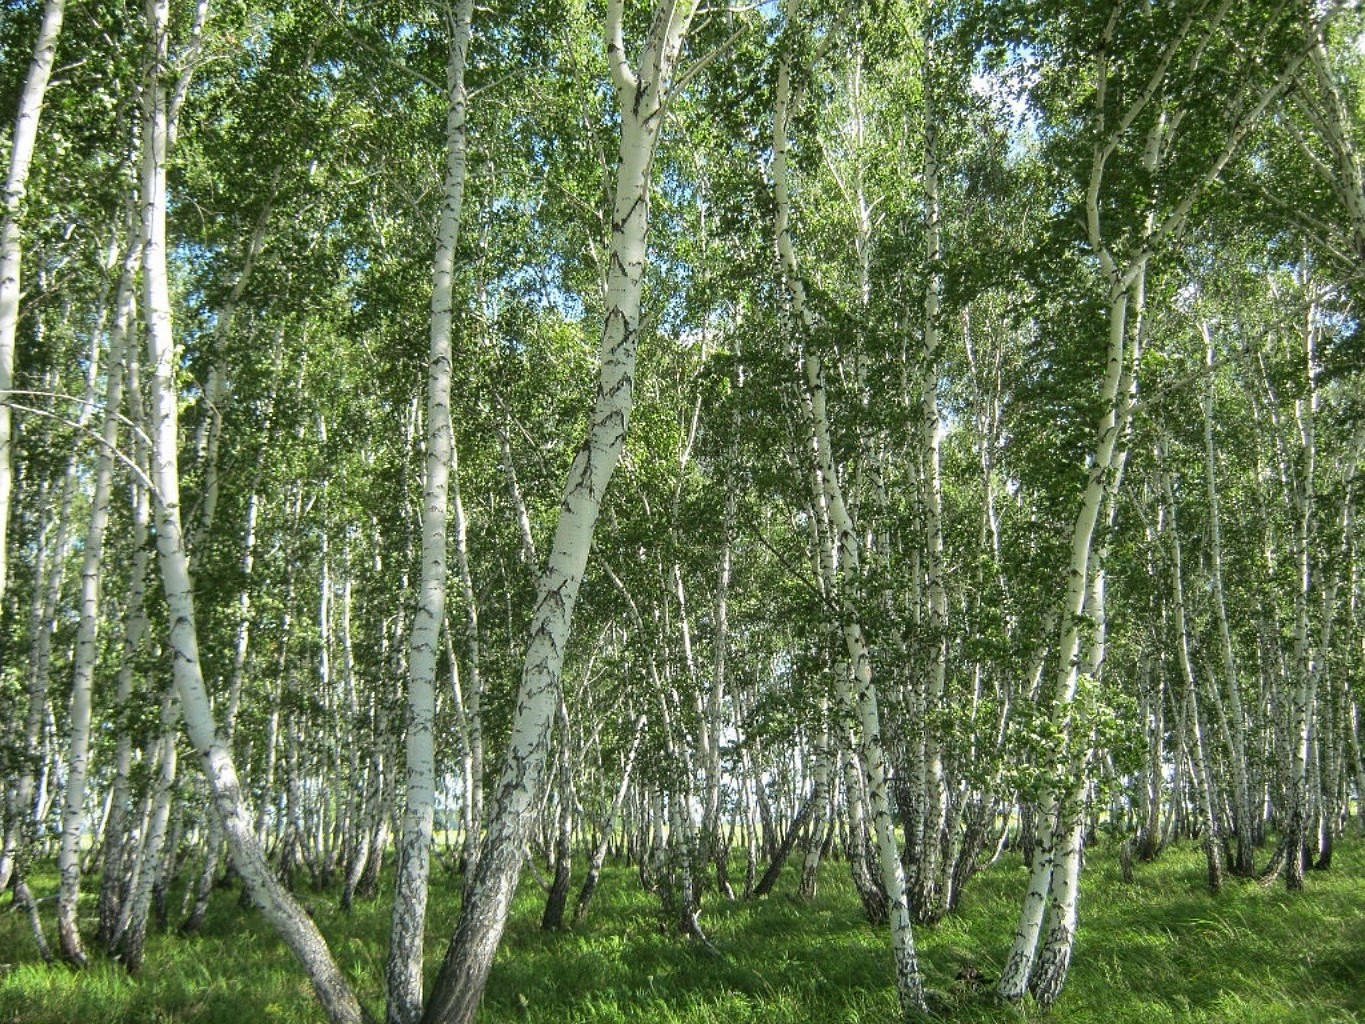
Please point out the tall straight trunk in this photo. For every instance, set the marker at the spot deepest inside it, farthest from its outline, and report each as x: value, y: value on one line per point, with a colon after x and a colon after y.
x: 1205, y: 795
x: 717, y: 848
x: 414, y: 842
x: 87, y: 631
x: 839, y: 561
x: 1234, y: 716
x: 11, y: 244
x: 642, y: 94
x: 1303, y: 695
x: 471, y: 709
x: 810, y: 865
x: 113, y: 893
x: 928, y: 897
x: 288, y: 918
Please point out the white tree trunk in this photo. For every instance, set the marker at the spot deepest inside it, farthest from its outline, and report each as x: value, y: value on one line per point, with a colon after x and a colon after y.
x: 929, y: 895
x: 1304, y: 663
x: 130, y: 934
x: 1234, y: 717
x: 642, y: 94
x: 11, y: 244
x: 840, y: 565
x: 1116, y: 399
x: 414, y: 842
x: 1205, y: 795
x: 287, y: 917
x: 117, y: 848
x: 87, y: 630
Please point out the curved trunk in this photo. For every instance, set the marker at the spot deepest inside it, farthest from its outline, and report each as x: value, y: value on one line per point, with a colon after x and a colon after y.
x: 11, y: 243
x: 464, y: 971
x: 287, y: 917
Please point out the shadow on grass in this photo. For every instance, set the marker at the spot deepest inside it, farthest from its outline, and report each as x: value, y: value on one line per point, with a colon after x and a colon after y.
x: 1160, y: 949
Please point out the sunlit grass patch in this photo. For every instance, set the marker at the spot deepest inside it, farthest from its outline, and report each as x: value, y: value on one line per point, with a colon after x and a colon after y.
x: 1161, y: 949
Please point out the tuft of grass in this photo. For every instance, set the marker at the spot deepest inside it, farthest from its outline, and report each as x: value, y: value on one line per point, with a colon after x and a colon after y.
x: 1162, y: 949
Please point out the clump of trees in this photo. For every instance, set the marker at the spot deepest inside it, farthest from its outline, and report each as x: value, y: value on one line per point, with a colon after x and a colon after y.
x: 710, y: 436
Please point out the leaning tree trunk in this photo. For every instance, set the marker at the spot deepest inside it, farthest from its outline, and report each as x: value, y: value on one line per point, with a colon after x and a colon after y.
x: 11, y: 244
x: 288, y: 918
x: 839, y: 563
x: 642, y: 96
x: 1057, y: 821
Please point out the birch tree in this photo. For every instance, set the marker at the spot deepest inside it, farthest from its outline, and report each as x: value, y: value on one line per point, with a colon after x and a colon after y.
x: 410, y: 891
x: 1132, y: 109
x: 642, y: 93
x: 839, y: 552
x: 160, y: 108
x: 11, y: 245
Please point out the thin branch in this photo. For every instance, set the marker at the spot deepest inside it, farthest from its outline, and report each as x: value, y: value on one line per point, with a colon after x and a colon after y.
x: 621, y: 73
x: 133, y: 467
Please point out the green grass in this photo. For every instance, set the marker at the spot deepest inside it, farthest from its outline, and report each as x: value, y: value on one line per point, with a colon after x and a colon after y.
x: 1162, y: 949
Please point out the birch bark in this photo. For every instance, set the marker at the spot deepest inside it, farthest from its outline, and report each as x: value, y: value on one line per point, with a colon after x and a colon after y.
x: 1204, y: 793
x: 929, y: 896
x: 642, y: 93
x: 414, y: 843
x: 87, y: 631
x: 11, y: 244
x: 839, y: 560
x: 1234, y: 715
x: 288, y: 918
x: 117, y: 852
x: 1123, y: 275
x: 1304, y: 664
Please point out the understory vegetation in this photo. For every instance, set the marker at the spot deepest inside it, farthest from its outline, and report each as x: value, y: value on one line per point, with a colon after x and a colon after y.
x: 1161, y: 948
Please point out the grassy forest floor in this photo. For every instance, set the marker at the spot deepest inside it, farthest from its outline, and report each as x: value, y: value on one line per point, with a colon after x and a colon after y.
x: 1161, y: 949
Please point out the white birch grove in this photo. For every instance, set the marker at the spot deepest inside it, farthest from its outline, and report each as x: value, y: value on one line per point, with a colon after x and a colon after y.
x: 808, y: 537
x: 22, y: 143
